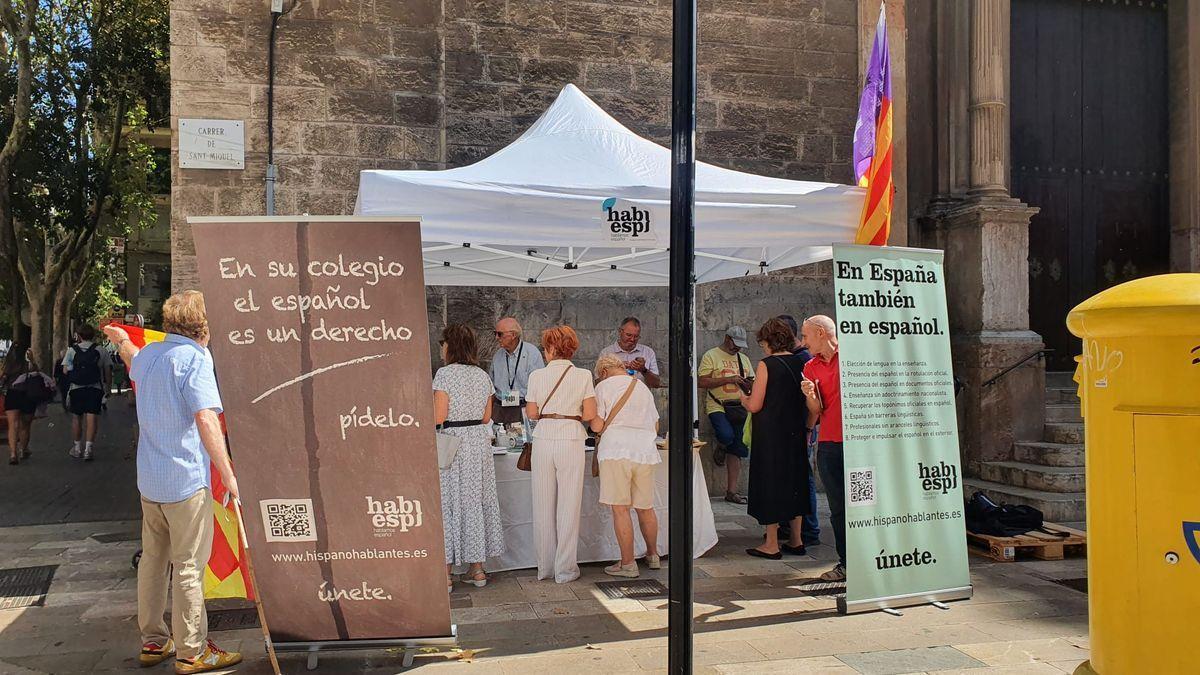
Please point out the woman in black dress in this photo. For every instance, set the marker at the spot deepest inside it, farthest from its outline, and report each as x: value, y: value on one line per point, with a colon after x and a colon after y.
x: 779, y: 460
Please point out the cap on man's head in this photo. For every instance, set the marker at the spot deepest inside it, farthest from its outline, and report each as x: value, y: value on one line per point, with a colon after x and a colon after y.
x: 738, y: 335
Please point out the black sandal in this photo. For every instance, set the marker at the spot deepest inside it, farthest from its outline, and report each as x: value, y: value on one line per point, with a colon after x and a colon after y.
x: 763, y: 554
x: 793, y: 550
x: 13, y: 461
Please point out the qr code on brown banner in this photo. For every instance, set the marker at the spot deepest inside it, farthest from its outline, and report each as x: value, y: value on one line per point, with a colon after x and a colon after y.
x: 288, y: 519
x: 862, y: 486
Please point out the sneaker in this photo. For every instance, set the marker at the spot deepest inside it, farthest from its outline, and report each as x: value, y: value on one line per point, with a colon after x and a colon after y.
x: 154, y: 653
x: 719, y: 455
x: 618, y: 570
x: 734, y: 498
x: 654, y: 562
x: 212, y: 658
x: 76, y: 451
x: 87, y: 454
x: 838, y: 573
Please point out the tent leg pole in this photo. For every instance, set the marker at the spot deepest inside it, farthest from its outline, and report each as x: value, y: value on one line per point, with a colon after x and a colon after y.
x: 682, y: 386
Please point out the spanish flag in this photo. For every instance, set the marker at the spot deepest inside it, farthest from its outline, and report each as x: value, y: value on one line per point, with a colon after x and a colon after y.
x: 225, y: 576
x: 873, y: 143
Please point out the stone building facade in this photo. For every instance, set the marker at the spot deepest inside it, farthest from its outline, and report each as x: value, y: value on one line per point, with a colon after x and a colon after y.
x: 434, y: 84
x: 427, y: 84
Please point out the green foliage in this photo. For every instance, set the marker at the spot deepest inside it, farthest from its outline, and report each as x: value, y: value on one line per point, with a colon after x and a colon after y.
x: 82, y: 175
x: 97, y: 67
x: 99, y: 297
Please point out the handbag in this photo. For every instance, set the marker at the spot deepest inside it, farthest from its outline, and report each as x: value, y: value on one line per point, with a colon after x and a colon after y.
x: 449, y: 444
x: 525, y: 461
x: 735, y: 412
x: 611, y: 415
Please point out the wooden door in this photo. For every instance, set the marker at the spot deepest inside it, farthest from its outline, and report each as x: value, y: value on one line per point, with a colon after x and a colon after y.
x: 1089, y: 148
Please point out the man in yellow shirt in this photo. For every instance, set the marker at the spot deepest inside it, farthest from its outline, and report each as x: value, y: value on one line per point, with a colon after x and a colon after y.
x: 725, y: 371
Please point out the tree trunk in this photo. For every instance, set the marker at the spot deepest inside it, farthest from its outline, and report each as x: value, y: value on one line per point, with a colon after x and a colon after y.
x: 63, y: 328
x: 41, y: 324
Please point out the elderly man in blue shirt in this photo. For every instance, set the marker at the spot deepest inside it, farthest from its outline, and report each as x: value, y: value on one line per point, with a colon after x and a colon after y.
x: 511, y: 366
x: 180, y: 433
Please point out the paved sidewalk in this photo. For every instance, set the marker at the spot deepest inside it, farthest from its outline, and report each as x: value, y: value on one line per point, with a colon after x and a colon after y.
x: 52, y: 487
x: 750, y: 618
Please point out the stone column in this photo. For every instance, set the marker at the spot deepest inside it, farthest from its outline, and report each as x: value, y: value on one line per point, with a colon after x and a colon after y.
x: 985, y: 233
x: 1183, y: 39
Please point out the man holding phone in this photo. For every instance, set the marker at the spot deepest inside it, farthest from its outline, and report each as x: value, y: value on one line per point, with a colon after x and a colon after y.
x: 725, y: 371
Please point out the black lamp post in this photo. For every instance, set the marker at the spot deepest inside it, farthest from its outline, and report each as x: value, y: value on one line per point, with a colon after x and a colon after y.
x: 682, y: 383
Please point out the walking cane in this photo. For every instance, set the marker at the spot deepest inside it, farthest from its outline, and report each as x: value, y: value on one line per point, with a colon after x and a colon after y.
x: 262, y: 618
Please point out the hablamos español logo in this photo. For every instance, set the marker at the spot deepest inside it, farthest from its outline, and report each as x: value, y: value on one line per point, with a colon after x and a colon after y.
x: 626, y: 224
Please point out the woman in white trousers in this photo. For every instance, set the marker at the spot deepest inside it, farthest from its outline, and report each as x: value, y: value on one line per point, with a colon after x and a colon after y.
x: 561, y: 398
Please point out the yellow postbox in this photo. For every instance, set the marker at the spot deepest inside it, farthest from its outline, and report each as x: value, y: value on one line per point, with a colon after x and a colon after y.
x: 1139, y: 380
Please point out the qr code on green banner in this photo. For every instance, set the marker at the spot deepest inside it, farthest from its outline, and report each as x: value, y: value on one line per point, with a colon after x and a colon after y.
x: 862, y: 486
x: 288, y: 519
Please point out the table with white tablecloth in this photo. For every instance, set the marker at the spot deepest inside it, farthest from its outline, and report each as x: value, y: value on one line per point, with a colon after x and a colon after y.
x: 597, y: 543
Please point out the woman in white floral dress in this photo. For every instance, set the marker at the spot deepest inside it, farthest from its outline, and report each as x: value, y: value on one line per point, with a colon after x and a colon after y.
x: 462, y: 400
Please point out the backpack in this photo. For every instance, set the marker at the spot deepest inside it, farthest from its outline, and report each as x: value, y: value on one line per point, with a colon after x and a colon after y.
x: 85, y: 367
x: 985, y: 516
x: 35, y: 388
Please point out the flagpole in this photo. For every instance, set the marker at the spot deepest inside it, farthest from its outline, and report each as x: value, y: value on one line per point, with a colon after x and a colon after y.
x: 262, y: 618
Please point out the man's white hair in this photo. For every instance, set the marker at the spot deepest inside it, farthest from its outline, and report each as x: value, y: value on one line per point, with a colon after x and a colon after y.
x: 823, y: 322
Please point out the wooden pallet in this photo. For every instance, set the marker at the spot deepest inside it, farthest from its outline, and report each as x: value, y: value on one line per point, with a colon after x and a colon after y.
x: 1038, y: 545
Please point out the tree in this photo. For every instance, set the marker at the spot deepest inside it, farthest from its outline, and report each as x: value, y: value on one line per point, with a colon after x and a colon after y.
x: 81, y: 177
x: 17, y: 23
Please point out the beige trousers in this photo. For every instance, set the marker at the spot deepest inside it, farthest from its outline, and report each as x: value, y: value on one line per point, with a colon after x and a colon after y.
x: 557, y: 497
x: 176, y: 541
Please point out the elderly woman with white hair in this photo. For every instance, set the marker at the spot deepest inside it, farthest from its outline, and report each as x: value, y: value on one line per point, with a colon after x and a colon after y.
x: 627, y: 420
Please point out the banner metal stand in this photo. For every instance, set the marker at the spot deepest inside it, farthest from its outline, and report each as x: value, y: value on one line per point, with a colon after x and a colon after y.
x: 409, y: 645
x: 936, y: 598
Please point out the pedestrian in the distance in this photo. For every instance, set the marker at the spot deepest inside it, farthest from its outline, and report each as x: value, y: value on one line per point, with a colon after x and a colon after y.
x: 89, y: 371
x: 179, y: 434
x: 26, y: 389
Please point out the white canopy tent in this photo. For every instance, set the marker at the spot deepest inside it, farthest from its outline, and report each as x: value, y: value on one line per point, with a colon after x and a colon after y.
x: 579, y: 200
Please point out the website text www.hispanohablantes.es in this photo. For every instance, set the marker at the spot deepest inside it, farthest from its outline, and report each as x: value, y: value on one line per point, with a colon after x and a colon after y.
x: 353, y: 554
x: 904, y: 519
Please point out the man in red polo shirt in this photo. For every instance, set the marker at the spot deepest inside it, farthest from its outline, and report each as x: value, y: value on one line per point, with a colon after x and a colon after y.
x: 822, y: 389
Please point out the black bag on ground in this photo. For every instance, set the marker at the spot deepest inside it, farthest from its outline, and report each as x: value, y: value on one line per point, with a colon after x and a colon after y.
x: 985, y: 516
x: 85, y: 366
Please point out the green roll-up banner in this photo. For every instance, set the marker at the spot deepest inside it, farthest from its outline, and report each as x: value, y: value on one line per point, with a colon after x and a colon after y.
x: 905, y: 533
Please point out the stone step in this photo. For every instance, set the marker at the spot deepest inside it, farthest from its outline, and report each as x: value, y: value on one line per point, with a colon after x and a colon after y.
x: 1060, y: 479
x: 1062, y: 395
x: 1060, y: 379
x: 1069, y: 433
x: 1049, y: 454
x: 1063, y: 412
x: 1056, y: 507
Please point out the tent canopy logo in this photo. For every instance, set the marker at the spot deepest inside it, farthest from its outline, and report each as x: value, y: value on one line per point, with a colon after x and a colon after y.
x: 626, y: 224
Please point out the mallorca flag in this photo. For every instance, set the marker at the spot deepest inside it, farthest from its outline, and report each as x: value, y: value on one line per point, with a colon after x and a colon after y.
x: 873, y: 143
x: 225, y: 575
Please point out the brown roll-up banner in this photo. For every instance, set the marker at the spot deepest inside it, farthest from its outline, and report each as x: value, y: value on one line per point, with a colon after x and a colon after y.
x: 320, y: 337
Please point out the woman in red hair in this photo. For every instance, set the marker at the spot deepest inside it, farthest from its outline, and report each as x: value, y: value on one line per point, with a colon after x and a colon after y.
x: 561, y: 398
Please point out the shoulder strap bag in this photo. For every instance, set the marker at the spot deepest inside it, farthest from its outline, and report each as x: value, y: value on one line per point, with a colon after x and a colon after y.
x: 735, y: 412
x: 612, y: 414
x: 525, y: 461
